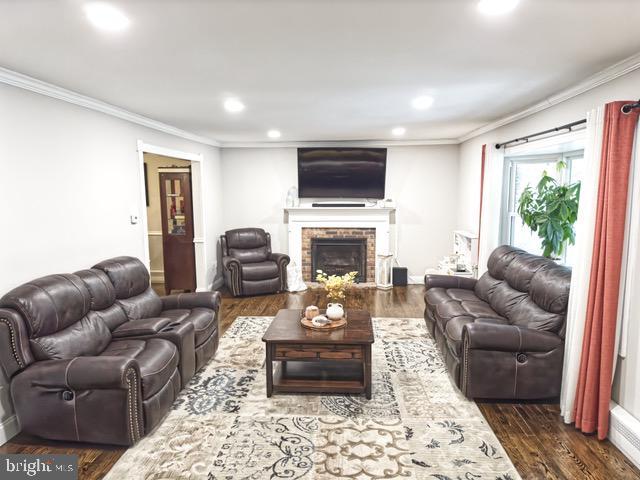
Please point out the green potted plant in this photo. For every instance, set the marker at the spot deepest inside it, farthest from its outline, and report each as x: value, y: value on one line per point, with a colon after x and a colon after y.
x: 551, y: 210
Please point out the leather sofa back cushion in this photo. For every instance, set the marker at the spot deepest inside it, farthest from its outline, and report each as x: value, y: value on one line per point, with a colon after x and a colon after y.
x: 49, y: 304
x: 250, y: 255
x: 147, y: 304
x: 112, y: 317
x: 248, y: 245
x: 89, y: 336
x: 500, y: 259
x: 550, y: 289
x: 485, y: 286
x: 522, y: 269
x: 128, y: 275
x: 103, y: 294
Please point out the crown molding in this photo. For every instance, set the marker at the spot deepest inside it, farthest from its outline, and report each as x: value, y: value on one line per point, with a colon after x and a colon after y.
x: 342, y: 143
x: 616, y: 70
x: 26, y: 82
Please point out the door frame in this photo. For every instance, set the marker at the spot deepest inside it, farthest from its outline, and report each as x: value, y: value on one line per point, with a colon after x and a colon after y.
x: 197, y: 196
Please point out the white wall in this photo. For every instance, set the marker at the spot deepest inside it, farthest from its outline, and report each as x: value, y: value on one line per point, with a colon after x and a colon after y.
x: 69, y: 181
x: 421, y: 180
x: 624, y: 88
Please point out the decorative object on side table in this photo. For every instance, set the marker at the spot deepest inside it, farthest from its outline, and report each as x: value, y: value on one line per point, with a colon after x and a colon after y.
x: 336, y: 285
x: 383, y: 272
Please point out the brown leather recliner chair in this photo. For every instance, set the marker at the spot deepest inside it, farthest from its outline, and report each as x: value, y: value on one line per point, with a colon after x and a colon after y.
x: 250, y: 268
x: 84, y: 368
x: 502, y: 336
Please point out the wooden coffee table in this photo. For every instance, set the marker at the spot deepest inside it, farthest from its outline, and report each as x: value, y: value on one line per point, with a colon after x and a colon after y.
x: 310, y: 361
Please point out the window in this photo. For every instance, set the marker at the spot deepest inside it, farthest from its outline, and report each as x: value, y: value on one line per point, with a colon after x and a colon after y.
x: 523, y: 170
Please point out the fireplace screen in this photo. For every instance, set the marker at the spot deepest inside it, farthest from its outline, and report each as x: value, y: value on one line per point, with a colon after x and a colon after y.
x: 337, y: 256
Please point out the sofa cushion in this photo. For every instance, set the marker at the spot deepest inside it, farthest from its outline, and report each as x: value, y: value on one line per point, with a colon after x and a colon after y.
x: 528, y: 314
x: 260, y: 270
x: 157, y: 359
x: 436, y: 295
x: 113, y: 317
x: 500, y: 259
x: 248, y: 245
x: 49, y: 304
x: 89, y: 336
x: 462, y: 294
x: 102, y: 292
x: 550, y: 288
x: 128, y: 275
x: 485, y: 286
x: 505, y: 298
x: 146, y: 304
x: 522, y: 268
x: 453, y: 332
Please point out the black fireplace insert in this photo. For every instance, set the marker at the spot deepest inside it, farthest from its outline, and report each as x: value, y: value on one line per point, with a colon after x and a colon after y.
x: 337, y: 256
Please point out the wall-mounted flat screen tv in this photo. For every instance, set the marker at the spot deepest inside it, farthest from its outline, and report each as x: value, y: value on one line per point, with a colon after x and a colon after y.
x: 341, y: 172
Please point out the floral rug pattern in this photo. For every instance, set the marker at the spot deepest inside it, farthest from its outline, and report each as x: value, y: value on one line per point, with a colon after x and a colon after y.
x: 416, y: 426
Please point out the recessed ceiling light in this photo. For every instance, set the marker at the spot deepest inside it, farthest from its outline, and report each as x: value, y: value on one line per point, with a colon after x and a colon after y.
x: 398, y: 131
x: 274, y: 134
x: 233, y: 105
x: 496, y: 7
x: 422, y: 103
x: 106, y: 17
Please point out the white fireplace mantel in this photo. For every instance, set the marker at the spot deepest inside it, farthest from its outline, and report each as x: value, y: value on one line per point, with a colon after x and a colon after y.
x: 380, y: 218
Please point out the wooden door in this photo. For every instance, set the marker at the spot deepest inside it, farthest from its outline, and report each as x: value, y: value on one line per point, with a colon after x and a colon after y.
x: 177, y: 231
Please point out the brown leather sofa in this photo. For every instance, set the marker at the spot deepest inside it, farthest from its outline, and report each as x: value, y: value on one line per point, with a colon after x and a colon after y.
x: 97, y: 356
x: 249, y: 266
x: 502, y: 336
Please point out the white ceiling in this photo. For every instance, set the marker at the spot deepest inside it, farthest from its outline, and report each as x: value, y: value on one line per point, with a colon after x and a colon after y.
x: 320, y: 70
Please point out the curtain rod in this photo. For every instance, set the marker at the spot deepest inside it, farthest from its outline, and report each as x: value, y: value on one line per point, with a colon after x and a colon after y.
x: 568, y: 126
x: 626, y: 109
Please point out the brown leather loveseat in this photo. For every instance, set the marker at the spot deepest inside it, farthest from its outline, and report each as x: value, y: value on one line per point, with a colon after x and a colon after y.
x: 502, y: 336
x: 97, y: 356
x: 249, y: 266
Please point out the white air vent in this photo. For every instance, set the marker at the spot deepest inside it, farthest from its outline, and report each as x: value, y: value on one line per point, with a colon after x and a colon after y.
x: 624, y: 433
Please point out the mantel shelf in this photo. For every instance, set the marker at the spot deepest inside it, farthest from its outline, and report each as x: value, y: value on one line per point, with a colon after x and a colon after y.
x: 339, y: 209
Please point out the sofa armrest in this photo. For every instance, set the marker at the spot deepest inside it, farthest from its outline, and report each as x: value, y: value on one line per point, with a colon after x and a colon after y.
x: 508, y: 338
x: 143, y: 326
x: 233, y: 274
x: 192, y: 300
x: 449, y: 281
x: 81, y: 373
x: 15, y: 353
x: 231, y: 263
x: 281, y: 259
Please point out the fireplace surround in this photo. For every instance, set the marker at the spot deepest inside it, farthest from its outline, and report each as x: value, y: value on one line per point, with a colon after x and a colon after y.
x: 305, y: 222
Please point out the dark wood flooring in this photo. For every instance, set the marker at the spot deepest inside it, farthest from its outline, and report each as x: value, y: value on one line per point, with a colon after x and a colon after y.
x: 539, y: 444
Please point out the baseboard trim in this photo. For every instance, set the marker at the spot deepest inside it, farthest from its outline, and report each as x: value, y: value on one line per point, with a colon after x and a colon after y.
x: 624, y: 433
x: 416, y: 279
x: 9, y: 429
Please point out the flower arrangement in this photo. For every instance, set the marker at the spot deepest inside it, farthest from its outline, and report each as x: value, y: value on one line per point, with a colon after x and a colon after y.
x: 336, y: 285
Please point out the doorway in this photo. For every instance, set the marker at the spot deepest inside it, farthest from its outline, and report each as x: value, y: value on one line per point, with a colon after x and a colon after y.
x: 170, y: 223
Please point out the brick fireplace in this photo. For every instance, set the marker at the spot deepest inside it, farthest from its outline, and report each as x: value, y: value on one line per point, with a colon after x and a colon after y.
x: 366, y: 235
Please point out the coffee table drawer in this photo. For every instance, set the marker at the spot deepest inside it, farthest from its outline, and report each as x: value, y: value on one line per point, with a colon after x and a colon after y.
x: 285, y: 352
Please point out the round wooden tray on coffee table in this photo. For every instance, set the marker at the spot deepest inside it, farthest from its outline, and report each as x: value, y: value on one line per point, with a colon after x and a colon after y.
x: 306, y: 323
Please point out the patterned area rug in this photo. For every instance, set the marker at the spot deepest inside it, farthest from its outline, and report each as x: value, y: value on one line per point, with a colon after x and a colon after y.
x: 417, y: 425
